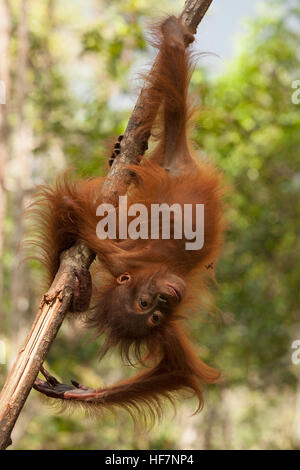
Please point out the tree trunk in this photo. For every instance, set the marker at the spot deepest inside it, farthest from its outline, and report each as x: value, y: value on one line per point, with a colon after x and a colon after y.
x: 4, y: 103
x: 21, y: 170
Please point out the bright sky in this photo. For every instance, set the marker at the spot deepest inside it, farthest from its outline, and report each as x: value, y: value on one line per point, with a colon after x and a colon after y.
x: 217, y: 34
x: 219, y: 29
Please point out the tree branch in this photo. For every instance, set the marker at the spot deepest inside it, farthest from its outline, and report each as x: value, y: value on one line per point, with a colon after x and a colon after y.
x: 55, y: 304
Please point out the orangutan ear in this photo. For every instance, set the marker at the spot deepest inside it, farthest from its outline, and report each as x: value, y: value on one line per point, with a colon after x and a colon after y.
x: 125, y: 277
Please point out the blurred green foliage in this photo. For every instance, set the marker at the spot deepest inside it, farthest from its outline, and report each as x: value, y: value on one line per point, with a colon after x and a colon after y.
x: 80, y: 63
x: 250, y: 125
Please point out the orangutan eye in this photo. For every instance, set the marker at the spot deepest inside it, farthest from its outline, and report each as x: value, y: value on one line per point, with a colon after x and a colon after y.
x: 144, y: 303
x: 155, y: 318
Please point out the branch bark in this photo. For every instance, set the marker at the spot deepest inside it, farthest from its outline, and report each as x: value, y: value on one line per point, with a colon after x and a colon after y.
x: 52, y: 311
x: 56, y: 302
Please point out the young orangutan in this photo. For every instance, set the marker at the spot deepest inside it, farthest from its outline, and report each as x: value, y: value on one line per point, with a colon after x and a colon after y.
x: 141, y: 307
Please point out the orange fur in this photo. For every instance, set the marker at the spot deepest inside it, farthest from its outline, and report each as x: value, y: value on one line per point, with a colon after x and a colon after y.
x: 67, y: 212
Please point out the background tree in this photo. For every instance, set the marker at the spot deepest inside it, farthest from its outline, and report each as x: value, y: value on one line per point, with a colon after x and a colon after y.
x: 5, y: 25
